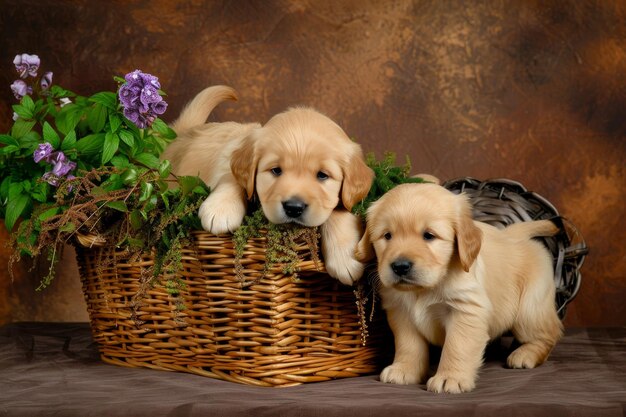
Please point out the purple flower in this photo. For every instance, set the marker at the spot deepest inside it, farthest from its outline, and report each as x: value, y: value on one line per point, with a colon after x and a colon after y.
x: 46, y: 80
x: 15, y: 116
x: 20, y: 89
x: 51, y: 179
x: 56, y: 157
x: 43, y: 152
x: 140, y: 98
x: 26, y: 65
x: 63, y: 167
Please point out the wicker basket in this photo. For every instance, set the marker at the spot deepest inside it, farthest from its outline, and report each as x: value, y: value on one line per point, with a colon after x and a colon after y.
x: 265, y: 329
x: 501, y: 202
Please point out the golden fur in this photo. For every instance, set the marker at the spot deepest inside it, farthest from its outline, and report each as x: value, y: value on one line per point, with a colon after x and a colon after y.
x: 458, y: 283
x: 301, y: 164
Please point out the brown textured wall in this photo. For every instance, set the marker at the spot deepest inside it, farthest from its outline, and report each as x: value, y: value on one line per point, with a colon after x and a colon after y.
x: 533, y: 91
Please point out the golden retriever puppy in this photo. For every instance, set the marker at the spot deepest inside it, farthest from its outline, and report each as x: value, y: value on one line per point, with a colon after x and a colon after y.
x: 301, y: 164
x: 457, y: 283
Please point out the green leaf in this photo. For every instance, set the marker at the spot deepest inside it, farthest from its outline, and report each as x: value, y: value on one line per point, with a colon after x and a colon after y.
x: 30, y: 141
x: 114, y: 122
x: 136, y: 220
x: 50, y: 135
x: 28, y: 103
x: 118, y: 205
x: 91, y: 144
x: 22, y: 111
x: 68, y: 227
x: 21, y: 127
x: 127, y: 137
x: 68, y: 117
x: 146, y: 191
x: 129, y: 176
x: 15, y: 189
x: 120, y: 161
x: 163, y: 129
x: 96, y: 117
x: 111, y: 143
x: 69, y: 141
x: 5, y: 150
x: 106, y: 99
x: 148, y: 160
x: 188, y: 183
x: 48, y: 214
x: 9, y: 140
x: 165, y: 168
x: 15, y: 207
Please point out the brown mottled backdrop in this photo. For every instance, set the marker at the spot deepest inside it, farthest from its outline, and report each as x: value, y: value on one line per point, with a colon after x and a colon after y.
x: 529, y: 90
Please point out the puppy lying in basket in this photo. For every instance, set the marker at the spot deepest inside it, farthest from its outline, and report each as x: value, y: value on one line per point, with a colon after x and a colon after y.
x: 301, y: 164
x: 458, y: 283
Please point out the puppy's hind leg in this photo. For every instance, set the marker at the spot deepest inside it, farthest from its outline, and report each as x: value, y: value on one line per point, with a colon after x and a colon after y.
x: 537, y: 326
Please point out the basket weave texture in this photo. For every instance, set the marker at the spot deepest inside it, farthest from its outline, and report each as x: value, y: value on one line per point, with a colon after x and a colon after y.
x: 259, y: 328
x: 501, y: 202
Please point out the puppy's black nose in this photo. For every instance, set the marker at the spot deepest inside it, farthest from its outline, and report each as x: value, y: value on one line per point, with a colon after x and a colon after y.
x: 401, y: 267
x: 294, y: 207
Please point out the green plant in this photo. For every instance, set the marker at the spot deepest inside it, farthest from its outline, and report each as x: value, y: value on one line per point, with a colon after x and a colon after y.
x: 386, y: 176
x: 73, y: 166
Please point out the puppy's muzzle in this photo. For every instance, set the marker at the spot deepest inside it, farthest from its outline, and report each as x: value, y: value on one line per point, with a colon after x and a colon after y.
x: 401, y: 267
x: 294, y: 207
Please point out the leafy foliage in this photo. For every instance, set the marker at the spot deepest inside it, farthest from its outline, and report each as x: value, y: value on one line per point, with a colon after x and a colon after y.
x: 122, y: 193
x: 386, y: 176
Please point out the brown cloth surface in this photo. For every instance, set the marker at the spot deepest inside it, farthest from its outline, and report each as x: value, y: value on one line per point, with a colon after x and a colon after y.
x: 53, y: 369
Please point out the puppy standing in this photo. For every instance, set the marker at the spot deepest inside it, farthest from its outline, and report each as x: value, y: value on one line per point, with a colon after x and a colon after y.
x: 301, y: 164
x: 458, y: 283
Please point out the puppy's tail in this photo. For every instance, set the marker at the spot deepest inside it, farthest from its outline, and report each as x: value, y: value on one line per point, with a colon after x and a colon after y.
x: 538, y: 228
x: 197, y: 111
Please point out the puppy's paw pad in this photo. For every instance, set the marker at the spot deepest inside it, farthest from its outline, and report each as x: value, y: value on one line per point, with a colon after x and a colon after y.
x: 219, y: 216
x: 399, y: 374
x: 521, y: 359
x: 346, y: 269
x: 451, y: 384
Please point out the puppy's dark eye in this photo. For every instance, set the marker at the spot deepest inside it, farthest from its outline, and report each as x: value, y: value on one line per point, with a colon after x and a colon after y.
x: 387, y: 236
x: 322, y: 176
x: 428, y: 236
x: 276, y: 171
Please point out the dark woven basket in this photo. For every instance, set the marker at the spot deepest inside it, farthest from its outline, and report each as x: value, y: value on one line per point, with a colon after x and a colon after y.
x: 501, y: 202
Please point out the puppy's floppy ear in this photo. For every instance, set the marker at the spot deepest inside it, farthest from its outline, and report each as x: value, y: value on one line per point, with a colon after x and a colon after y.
x: 364, y: 251
x: 357, y: 180
x: 468, y: 235
x: 243, y: 164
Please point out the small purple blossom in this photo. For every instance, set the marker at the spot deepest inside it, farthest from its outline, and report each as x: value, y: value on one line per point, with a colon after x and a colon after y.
x: 26, y: 65
x: 20, y: 89
x: 51, y: 179
x: 64, y: 167
x: 43, y: 152
x: 140, y: 98
x: 46, y: 80
x: 15, y: 116
x: 61, y: 166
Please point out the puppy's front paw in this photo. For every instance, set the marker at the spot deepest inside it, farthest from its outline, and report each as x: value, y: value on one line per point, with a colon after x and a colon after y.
x: 401, y: 374
x: 343, y: 267
x: 450, y: 383
x: 221, y: 215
